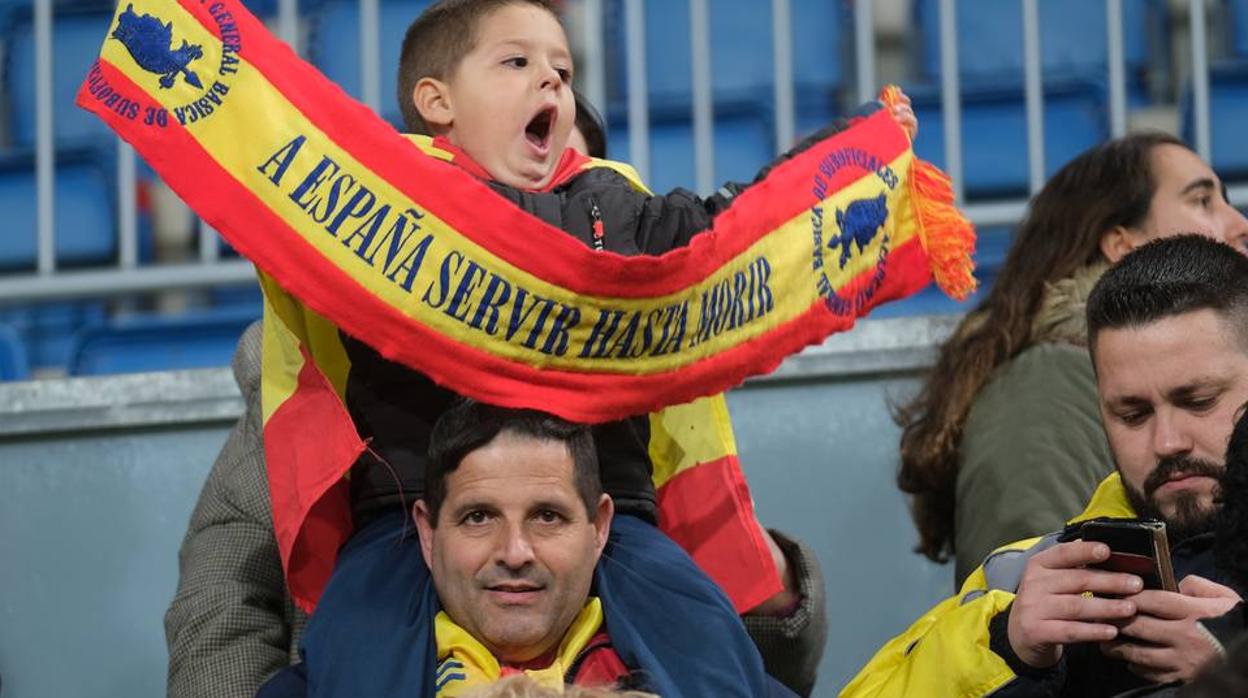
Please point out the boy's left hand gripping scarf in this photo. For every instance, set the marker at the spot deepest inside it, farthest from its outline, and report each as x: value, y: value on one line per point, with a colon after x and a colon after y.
x: 434, y: 270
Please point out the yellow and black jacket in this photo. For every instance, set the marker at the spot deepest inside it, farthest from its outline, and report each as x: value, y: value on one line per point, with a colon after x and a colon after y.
x: 947, y: 653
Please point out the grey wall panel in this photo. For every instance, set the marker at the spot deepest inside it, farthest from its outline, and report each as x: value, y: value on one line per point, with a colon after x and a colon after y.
x: 90, y: 525
x: 821, y: 459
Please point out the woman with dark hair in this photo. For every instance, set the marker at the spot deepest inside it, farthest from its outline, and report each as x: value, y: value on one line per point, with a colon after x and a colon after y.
x: 1004, y: 439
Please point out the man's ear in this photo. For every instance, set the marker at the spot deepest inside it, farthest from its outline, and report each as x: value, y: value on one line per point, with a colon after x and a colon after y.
x: 1118, y: 243
x: 602, y: 521
x: 432, y: 100
x: 424, y: 525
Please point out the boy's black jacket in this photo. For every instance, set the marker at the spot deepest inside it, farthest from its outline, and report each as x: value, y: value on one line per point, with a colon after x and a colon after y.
x: 394, y: 407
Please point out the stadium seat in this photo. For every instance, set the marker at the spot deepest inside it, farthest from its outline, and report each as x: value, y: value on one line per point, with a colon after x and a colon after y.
x: 741, y: 51
x: 76, y: 39
x: 47, y: 330
x: 1237, y: 24
x: 1228, y: 112
x: 334, y: 46
x: 13, y: 364
x: 743, y: 144
x: 994, y: 133
x: 245, y: 298
x: 157, y: 343
x: 1072, y: 38
x: 84, y: 212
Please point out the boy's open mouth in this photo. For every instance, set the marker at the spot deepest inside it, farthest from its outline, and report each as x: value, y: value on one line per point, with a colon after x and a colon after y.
x: 539, y: 129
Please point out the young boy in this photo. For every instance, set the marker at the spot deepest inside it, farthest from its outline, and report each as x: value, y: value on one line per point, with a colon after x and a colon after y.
x: 490, y: 80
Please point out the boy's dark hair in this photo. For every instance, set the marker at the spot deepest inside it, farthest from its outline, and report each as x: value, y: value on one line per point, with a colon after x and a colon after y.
x: 589, y: 122
x: 469, y: 425
x: 438, y: 40
x: 1230, y: 546
x: 1170, y: 277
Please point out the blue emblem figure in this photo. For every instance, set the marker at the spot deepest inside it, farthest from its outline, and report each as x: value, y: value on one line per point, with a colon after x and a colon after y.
x: 151, y: 45
x: 858, y: 224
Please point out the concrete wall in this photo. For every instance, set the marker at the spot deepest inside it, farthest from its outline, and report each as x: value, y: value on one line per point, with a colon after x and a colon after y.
x: 98, y: 477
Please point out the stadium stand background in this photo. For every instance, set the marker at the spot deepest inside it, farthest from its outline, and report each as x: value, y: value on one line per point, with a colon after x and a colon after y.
x: 99, y: 468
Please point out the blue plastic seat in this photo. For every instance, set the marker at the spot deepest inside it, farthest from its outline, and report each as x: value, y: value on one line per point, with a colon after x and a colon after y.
x: 994, y: 133
x: 1228, y: 112
x: 743, y: 144
x: 76, y: 40
x: 1237, y: 11
x: 1072, y: 38
x: 742, y: 61
x: 84, y: 212
x: 13, y: 363
x: 157, y: 343
x: 334, y: 47
x: 47, y: 330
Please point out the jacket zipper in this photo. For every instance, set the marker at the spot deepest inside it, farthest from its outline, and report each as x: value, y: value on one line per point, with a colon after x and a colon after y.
x: 595, y: 219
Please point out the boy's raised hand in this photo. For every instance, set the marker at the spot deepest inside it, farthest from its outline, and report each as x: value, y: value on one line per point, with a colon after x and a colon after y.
x: 904, y: 114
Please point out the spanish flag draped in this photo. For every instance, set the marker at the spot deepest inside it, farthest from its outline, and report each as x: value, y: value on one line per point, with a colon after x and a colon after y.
x: 354, y: 227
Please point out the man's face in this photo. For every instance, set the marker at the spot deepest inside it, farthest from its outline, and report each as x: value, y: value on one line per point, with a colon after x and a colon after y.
x: 1190, y: 199
x: 510, y: 99
x: 1169, y: 394
x: 514, y: 551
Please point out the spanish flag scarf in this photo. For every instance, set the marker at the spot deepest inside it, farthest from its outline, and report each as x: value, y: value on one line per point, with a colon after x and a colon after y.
x: 465, y: 665
x: 354, y: 227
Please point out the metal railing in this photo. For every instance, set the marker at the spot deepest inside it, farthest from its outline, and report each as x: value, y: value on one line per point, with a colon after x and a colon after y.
x: 128, y: 276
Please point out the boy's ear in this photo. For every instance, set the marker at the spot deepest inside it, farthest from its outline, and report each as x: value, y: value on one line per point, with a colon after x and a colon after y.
x: 433, y: 102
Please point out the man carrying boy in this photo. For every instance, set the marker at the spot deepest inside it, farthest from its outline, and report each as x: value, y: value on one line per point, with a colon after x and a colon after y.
x: 512, y: 525
x: 500, y: 104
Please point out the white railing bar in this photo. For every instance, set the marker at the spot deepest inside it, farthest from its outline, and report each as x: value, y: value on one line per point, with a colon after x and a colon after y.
x: 1034, y: 94
x: 638, y: 99
x: 1200, y: 78
x: 782, y: 54
x: 996, y: 213
x: 950, y: 95
x: 208, y: 245
x: 288, y: 23
x: 370, y: 53
x: 1115, y: 55
x: 703, y: 109
x: 864, y: 50
x: 111, y: 282
x: 595, y: 64
x: 127, y: 215
x: 45, y: 154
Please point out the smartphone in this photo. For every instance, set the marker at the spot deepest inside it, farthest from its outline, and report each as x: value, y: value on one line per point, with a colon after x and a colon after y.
x: 1137, y: 546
